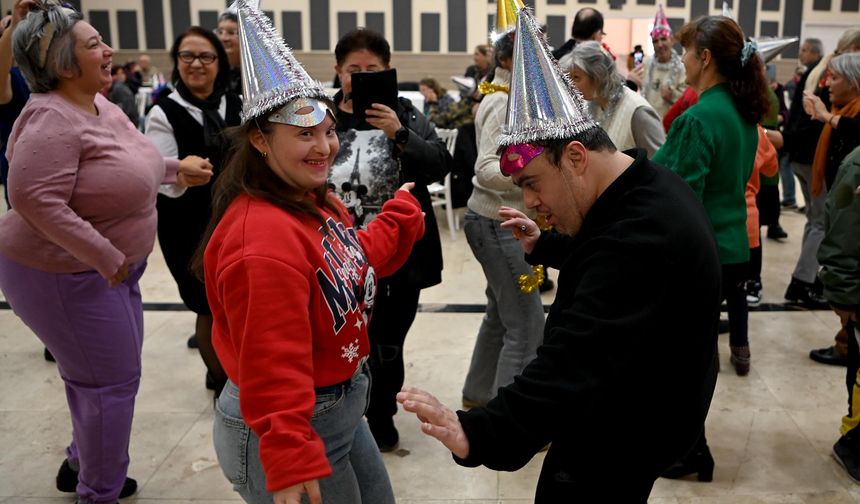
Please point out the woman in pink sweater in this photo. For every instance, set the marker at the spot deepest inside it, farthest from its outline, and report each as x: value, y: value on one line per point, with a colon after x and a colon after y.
x: 82, y: 183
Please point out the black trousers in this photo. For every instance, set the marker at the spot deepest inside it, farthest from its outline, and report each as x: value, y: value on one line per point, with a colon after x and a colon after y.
x: 393, y: 313
x: 734, y: 276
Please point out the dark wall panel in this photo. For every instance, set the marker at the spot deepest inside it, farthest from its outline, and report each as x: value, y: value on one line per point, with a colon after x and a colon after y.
x: 208, y: 19
x: 555, y: 2
x: 491, y: 22
x: 770, y: 5
x: 101, y: 21
x: 556, y: 30
x: 746, y: 16
x: 718, y: 4
x: 791, y: 26
x: 375, y: 21
x: 153, y: 24
x: 768, y: 29
x: 850, y: 5
x: 346, y: 22
x: 457, y: 29
x: 402, y: 12
x: 699, y: 8
x: 126, y: 26
x: 430, y: 32
x: 320, y: 37
x: 676, y: 3
x: 646, y: 2
x: 292, y: 23
x: 180, y: 12
x: 616, y: 4
x: 821, y: 5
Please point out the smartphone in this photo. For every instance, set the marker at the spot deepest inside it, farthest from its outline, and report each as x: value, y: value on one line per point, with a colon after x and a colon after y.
x: 373, y: 87
x: 638, y: 57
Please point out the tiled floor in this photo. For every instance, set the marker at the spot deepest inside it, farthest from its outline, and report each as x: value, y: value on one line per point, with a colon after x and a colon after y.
x: 770, y: 432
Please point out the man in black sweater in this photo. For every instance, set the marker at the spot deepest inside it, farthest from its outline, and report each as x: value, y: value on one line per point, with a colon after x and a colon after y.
x: 623, y: 381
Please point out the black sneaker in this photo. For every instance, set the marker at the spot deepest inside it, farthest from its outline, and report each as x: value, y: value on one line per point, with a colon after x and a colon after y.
x: 67, y: 481
x: 775, y: 232
x: 845, y: 453
x: 385, y: 434
x: 753, y: 289
x: 829, y: 356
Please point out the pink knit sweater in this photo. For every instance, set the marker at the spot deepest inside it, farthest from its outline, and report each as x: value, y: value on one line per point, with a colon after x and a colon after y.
x: 82, y: 188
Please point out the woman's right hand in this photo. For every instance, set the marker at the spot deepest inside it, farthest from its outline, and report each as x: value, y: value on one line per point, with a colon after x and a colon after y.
x: 293, y: 494
x: 813, y: 106
x: 193, y: 171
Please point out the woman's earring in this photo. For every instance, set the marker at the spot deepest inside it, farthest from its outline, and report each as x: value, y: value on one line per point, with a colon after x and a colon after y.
x: 264, y: 154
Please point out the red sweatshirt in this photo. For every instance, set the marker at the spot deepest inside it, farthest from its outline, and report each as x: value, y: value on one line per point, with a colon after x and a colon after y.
x: 290, y: 307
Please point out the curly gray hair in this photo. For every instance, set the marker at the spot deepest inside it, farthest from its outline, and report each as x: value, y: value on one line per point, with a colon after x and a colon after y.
x: 44, y: 46
x: 593, y: 60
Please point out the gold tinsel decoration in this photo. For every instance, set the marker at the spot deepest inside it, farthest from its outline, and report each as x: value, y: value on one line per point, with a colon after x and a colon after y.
x: 488, y: 87
x: 528, y: 283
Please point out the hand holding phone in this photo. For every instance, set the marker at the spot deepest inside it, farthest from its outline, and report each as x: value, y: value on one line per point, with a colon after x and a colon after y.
x: 373, y: 87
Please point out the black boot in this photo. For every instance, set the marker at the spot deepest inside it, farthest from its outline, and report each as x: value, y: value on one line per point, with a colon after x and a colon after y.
x: 67, y: 481
x: 698, y: 461
x: 385, y: 434
x: 803, y: 293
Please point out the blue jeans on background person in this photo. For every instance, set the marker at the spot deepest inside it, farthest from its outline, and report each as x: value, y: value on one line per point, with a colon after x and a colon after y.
x: 358, y: 473
x: 786, y: 175
x: 512, y: 327
x: 806, y: 269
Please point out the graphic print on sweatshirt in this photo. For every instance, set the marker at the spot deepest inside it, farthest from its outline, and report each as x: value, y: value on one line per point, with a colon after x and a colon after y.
x: 365, y: 173
x: 348, y: 284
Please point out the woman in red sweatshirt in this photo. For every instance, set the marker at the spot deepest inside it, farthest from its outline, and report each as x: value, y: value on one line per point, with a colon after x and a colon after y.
x: 291, y: 285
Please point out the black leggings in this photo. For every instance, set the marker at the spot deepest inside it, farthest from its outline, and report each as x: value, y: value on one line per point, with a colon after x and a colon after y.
x: 733, y: 291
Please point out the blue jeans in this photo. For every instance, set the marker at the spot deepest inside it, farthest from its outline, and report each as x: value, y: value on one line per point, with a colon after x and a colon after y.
x: 358, y: 473
x: 512, y: 327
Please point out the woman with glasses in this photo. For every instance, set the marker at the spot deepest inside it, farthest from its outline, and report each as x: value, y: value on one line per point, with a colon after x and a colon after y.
x: 190, y: 120
x: 228, y: 34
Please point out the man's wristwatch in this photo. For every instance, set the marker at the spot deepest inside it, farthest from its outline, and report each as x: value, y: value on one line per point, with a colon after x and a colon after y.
x: 401, y: 136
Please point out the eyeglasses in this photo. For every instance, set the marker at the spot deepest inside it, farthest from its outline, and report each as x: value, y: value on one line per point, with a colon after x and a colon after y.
x: 206, y: 58
x: 224, y: 31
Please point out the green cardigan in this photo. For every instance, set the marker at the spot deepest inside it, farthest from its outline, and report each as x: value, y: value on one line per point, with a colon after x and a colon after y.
x: 839, y: 253
x: 713, y: 149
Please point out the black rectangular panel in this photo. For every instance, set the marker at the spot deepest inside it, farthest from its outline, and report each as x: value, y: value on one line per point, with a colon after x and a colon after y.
x: 457, y: 29
x: 402, y: 12
x: 556, y: 30
x: 699, y: 8
x: 346, y: 22
x: 430, y: 32
x: 320, y: 37
x: 746, y: 16
x: 126, y: 27
x: 491, y: 22
x: 153, y: 24
x: 100, y: 20
x: 646, y: 2
x: 556, y: 2
x: 676, y: 3
x: 821, y: 5
x: 208, y: 19
x: 180, y: 12
x: 375, y: 21
x: 770, y: 5
x: 531, y: 4
x: 791, y: 25
x: 768, y: 29
x: 718, y: 4
x: 850, y: 5
x: 292, y: 23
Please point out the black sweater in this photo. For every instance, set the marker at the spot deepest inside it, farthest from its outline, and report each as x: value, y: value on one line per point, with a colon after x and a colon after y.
x: 624, y: 378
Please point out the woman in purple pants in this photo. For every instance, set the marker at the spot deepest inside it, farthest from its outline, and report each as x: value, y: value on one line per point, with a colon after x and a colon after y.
x: 82, y: 183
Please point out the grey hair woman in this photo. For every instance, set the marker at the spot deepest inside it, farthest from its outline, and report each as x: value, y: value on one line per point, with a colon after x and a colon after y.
x: 627, y: 117
x: 82, y: 183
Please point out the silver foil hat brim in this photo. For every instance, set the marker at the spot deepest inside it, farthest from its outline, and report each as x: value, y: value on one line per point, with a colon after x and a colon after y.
x: 302, y: 112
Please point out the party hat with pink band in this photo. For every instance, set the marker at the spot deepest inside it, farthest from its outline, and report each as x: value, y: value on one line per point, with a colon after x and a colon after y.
x: 661, y: 25
x: 543, y: 104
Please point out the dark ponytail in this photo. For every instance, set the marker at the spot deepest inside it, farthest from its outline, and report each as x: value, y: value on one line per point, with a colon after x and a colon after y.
x: 745, y: 76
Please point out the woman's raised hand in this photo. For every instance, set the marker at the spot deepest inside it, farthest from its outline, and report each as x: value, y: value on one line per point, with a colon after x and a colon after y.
x: 193, y: 171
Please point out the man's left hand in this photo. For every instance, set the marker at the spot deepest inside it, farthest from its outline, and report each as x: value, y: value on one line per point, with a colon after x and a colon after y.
x: 436, y: 419
x: 382, y: 117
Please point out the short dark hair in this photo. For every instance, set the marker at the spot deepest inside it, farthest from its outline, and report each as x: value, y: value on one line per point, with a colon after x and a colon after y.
x: 503, y: 48
x: 585, y: 23
x: 362, y: 38
x: 593, y: 139
x: 222, y: 80
x: 228, y: 16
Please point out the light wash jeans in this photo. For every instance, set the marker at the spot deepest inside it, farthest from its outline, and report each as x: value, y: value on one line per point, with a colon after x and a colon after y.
x: 359, y: 475
x: 813, y: 232
x: 512, y: 327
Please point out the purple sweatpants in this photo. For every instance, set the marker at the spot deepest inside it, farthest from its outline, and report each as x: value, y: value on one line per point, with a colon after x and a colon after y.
x: 96, y: 334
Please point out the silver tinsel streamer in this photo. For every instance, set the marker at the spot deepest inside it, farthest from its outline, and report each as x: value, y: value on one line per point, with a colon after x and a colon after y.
x: 271, y: 75
x: 543, y: 102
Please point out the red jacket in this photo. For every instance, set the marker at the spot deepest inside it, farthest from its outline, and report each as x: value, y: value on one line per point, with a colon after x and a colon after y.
x: 290, y: 305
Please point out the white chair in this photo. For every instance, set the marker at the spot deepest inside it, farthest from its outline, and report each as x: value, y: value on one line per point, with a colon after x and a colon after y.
x: 440, y: 194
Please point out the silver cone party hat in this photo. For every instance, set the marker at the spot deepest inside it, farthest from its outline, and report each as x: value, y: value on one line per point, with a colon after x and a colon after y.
x: 271, y: 75
x: 770, y: 47
x: 543, y: 104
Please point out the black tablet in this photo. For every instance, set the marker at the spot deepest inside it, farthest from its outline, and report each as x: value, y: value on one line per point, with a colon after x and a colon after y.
x: 373, y: 87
